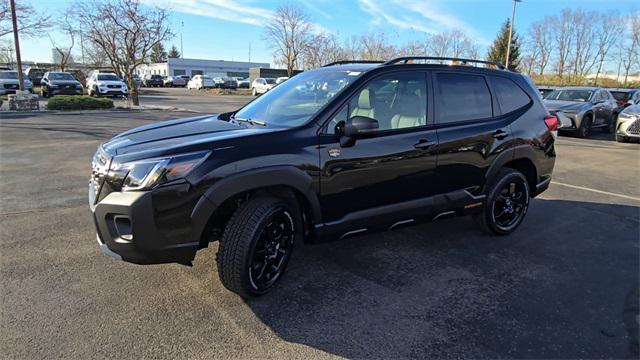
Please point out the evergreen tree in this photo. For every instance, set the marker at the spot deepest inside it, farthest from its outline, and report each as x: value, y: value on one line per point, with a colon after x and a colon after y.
x: 173, y: 53
x: 158, y: 54
x: 498, y: 51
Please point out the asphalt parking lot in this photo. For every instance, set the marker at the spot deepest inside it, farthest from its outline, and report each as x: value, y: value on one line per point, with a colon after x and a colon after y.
x: 565, y: 285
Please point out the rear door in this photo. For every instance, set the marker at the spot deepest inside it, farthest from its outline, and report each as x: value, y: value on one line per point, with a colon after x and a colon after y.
x: 472, y: 128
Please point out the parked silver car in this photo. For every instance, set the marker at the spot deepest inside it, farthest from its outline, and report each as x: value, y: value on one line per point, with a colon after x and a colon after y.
x: 586, y: 107
x: 172, y: 81
x: 629, y: 123
x: 9, y: 82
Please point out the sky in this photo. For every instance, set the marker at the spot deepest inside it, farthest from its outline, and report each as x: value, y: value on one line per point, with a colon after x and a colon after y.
x: 234, y: 29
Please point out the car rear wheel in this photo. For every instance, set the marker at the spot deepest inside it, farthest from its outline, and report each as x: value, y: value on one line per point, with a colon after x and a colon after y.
x: 256, y: 246
x: 585, y: 127
x: 506, y: 203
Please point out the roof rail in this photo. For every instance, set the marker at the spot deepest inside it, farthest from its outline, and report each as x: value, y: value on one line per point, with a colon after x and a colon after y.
x: 462, y: 61
x: 342, y: 62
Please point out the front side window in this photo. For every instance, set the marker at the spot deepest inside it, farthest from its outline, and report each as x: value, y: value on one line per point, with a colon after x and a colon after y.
x: 509, y: 95
x: 462, y: 97
x: 396, y: 101
x: 296, y: 100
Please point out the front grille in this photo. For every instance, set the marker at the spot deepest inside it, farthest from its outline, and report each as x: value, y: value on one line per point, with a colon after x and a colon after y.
x: 634, y: 128
x: 99, y: 168
x: 113, y: 86
x: 10, y: 86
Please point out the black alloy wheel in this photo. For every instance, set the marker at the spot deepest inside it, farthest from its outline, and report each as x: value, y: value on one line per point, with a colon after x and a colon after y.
x: 256, y: 245
x: 506, y: 203
x: 585, y: 126
x: 272, y: 250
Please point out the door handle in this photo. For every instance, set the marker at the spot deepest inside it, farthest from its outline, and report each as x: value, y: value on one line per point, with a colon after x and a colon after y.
x: 500, y: 134
x: 423, y: 144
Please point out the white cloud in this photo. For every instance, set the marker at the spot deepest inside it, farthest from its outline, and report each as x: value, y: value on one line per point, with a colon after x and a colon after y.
x: 228, y: 10
x: 421, y: 15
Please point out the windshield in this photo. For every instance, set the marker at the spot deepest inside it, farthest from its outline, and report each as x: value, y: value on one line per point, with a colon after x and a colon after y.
x: 108, y: 77
x: 8, y: 75
x: 270, y: 81
x: 569, y: 95
x: 296, y: 100
x: 621, y: 95
x: 60, y: 76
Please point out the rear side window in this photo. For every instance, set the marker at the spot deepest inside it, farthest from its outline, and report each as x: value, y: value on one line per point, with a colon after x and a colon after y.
x: 509, y: 95
x: 462, y: 97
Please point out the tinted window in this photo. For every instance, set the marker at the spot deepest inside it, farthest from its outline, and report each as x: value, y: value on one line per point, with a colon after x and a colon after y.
x: 396, y: 101
x: 462, y: 97
x: 509, y: 95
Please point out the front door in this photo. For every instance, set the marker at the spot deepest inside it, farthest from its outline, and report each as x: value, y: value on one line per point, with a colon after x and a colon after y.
x: 392, y: 168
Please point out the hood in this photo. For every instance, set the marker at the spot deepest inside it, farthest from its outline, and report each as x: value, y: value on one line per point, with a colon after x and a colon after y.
x: 27, y: 82
x: 110, y: 82
x: 632, y: 110
x: 572, y: 106
x: 64, y: 82
x: 169, y: 137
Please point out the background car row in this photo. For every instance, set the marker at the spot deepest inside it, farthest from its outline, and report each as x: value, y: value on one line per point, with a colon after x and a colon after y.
x: 589, y: 108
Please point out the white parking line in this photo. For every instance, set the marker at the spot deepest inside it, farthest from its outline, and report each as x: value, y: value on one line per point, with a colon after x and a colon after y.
x: 596, y: 191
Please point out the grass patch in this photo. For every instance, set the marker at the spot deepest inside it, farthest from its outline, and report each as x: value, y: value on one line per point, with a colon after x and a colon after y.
x: 76, y: 102
x: 217, y: 91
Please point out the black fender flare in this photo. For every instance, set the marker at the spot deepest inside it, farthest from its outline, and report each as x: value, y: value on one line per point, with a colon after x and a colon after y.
x: 255, y: 179
x: 516, y: 153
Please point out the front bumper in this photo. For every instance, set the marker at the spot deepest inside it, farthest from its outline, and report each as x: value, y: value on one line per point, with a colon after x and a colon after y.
x: 628, y: 128
x: 151, y: 227
x: 112, y: 91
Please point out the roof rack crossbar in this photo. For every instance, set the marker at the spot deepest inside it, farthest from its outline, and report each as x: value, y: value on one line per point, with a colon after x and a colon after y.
x: 406, y: 59
x: 342, y: 62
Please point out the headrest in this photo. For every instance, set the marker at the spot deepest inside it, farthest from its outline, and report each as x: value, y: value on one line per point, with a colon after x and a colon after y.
x: 364, y: 100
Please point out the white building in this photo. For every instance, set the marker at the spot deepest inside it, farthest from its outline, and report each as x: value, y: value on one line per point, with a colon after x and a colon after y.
x: 214, y: 68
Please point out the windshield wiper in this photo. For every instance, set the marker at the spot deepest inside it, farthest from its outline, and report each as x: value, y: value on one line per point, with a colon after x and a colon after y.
x: 250, y: 121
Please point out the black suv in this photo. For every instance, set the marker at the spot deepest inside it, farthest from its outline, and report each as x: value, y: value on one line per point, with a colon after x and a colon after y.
x: 153, y: 81
x: 345, y: 149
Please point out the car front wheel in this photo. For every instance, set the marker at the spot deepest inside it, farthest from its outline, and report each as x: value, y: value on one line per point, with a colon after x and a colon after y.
x: 256, y: 246
x: 254, y: 92
x: 585, y: 127
x: 506, y: 203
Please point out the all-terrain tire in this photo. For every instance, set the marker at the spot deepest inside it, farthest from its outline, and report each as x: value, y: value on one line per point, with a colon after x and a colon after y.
x: 239, y: 239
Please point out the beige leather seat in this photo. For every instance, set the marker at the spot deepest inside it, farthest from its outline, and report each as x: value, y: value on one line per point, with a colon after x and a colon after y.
x: 409, y: 112
x: 365, y: 105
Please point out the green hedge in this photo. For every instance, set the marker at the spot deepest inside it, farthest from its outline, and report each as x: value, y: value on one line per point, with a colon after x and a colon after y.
x: 75, y: 102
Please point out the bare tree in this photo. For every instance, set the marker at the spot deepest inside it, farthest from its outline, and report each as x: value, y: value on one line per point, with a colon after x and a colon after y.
x: 608, y: 33
x: 584, y: 38
x: 563, y: 40
x: 289, y: 34
x: 30, y: 22
x: 375, y: 46
x: 630, y: 50
x: 414, y: 48
x: 541, y: 44
x: 452, y: 43
x: 323, y: 49
x: 63, y: 53
x: 125, y: 31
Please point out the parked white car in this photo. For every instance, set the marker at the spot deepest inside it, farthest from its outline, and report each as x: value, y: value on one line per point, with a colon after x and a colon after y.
x: 262, y: 85
x: 200, y: 82
x: 106, y: 84
x: 282, y: 79
x: 9, y: 82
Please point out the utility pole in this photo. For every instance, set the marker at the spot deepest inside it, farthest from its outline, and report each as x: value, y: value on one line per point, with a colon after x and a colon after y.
x: 513, y: 15
x: 16, y: 41
x: 249, y: 51
x: 181, y: 30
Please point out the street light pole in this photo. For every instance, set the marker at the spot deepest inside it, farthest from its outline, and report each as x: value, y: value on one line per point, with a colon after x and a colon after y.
x: 513, y: 15
x: 181, y: 30
x: 16, y: 42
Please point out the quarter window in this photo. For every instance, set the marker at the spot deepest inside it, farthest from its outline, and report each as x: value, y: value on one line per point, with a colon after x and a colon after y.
x: 462, y: 97
x: 509, y: 95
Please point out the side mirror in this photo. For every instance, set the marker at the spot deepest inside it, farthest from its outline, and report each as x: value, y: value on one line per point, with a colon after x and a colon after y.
x: 358, y: 127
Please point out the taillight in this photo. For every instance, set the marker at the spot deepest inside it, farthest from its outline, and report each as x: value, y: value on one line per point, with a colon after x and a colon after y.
x: 551, y: 122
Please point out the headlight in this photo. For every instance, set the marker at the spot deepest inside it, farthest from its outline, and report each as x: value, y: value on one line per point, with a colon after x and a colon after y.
x: 625, y: 116
x: 145, y: 174
x: 53, y: 86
